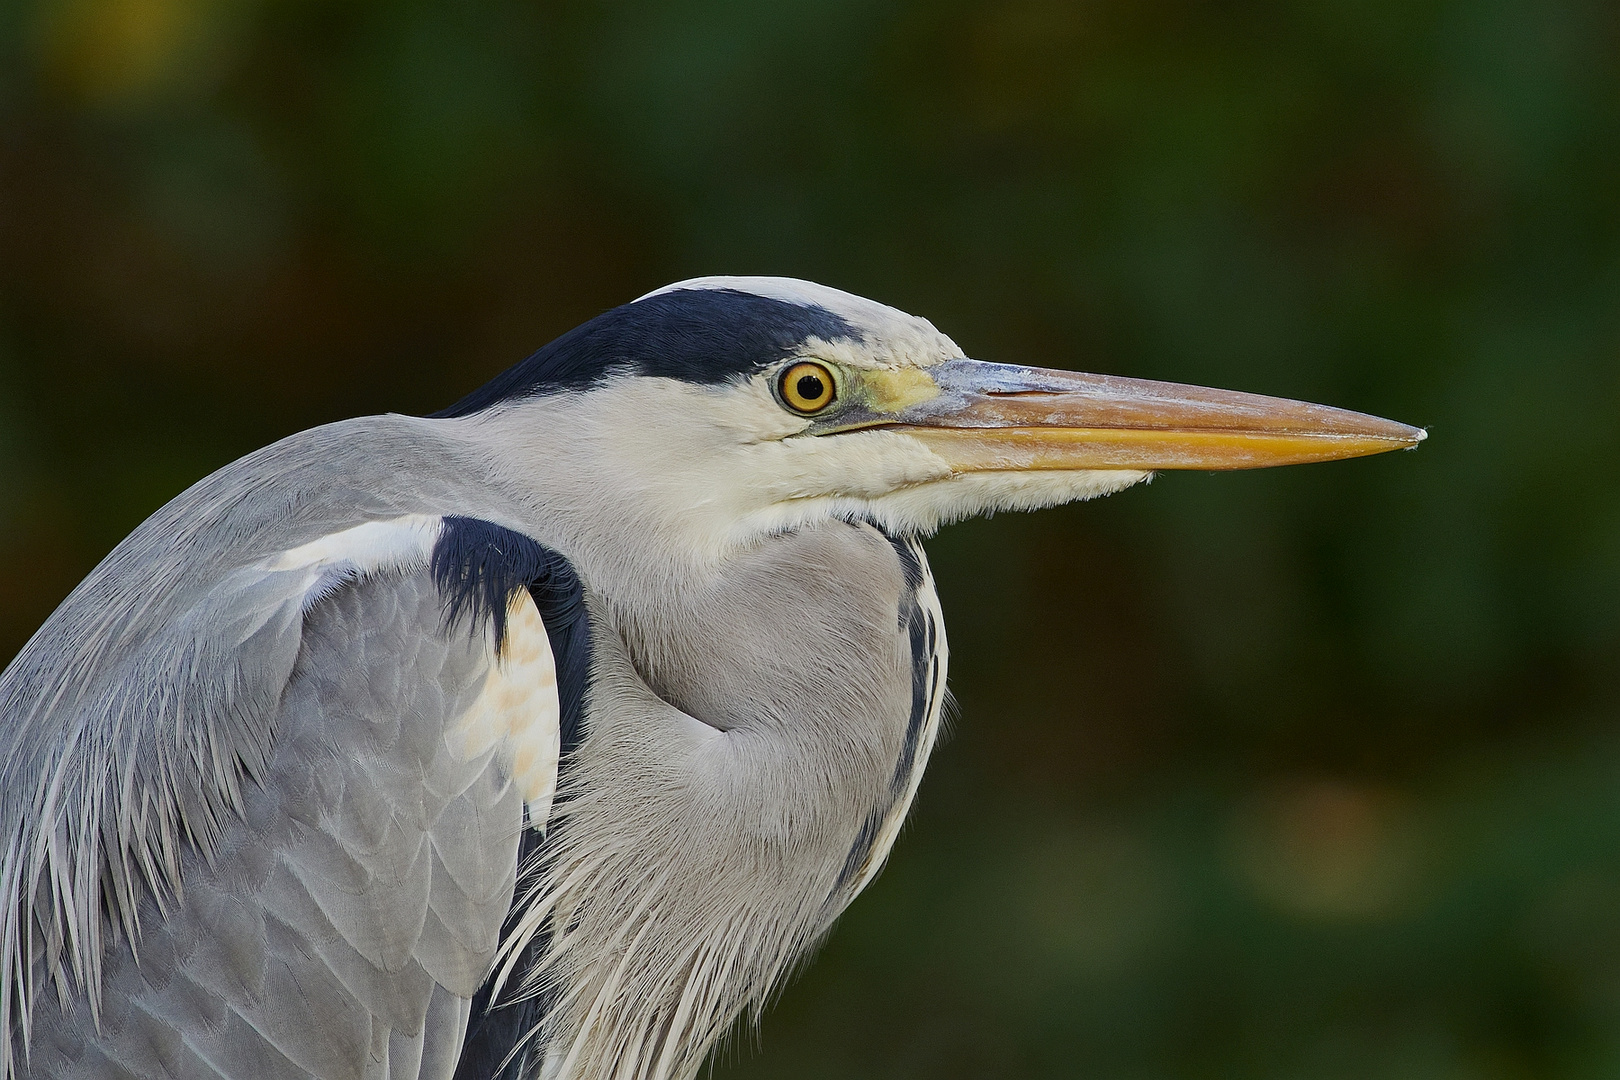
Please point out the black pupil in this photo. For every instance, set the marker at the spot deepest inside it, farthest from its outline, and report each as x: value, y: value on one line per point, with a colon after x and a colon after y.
x: 810, y: 387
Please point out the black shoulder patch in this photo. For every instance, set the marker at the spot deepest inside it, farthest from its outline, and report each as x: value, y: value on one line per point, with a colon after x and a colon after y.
x: 478, y: 565
x: 694, y: 335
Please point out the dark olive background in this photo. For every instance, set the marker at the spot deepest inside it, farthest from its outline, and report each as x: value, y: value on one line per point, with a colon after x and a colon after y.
x: 1294, y: 774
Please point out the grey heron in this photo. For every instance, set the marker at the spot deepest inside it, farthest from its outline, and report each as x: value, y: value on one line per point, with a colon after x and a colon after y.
x: 538, y: 737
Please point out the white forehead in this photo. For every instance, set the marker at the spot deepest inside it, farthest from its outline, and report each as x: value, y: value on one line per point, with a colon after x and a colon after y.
x: 892, y: 336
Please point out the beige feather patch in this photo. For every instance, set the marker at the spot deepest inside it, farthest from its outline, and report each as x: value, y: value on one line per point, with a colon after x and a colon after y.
x: 518, y: 713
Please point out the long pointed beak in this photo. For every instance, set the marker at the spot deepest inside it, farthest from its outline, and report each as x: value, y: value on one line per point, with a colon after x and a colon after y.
x: 1004, y: 417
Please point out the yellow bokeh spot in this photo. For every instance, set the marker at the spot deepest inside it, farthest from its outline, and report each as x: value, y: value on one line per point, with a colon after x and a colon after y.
x: 1329, y: 850
x: 115, y: 50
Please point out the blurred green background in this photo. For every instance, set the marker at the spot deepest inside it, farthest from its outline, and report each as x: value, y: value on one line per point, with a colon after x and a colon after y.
x: 1311, y: 773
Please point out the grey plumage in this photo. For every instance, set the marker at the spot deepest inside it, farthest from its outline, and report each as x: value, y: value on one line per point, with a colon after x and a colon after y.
x: 265, y: 774
x: 137, y: 712
x: 365, y: 888
x: 685, y: 852
x: 189, y: 766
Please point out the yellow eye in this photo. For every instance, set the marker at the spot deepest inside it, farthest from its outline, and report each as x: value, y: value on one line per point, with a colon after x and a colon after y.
x: 807, y: 387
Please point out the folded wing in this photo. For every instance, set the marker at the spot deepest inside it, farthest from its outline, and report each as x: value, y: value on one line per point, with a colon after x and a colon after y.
x: 361, y: 727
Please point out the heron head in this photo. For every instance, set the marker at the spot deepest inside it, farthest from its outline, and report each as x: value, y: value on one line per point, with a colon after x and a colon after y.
x: 733, y: 408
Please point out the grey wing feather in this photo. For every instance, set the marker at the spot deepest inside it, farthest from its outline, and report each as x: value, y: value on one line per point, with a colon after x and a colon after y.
x: 130, y: 720
x: 339, y: 922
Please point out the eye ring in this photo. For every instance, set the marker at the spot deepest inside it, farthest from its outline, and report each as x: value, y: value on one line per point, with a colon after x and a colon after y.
x: 807, y: 387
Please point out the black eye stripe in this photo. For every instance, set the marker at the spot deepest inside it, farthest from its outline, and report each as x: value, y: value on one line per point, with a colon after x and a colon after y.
x: 702, y: 336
